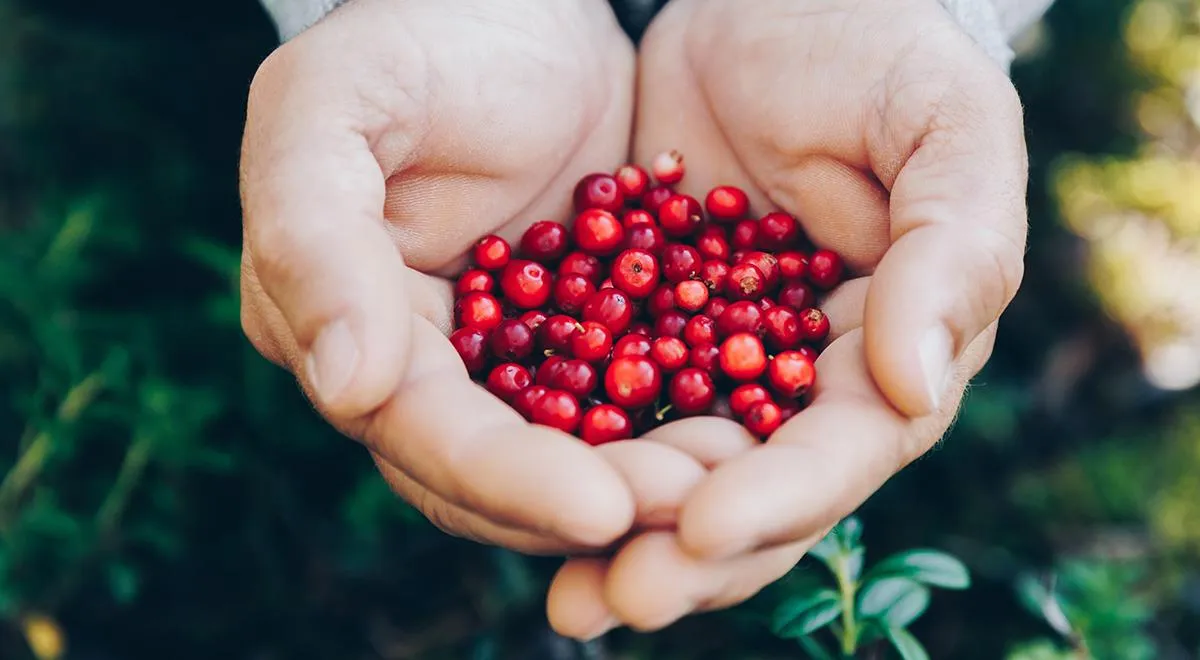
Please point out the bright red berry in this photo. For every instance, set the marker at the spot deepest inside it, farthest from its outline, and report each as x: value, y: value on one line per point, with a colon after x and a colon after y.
x: 545, y: 372
x: 670, y: 353
x: 571, y: 292
x: 632, y: 180
x: 557, y: 333
x: 667, y: 167
x: 767, y: 264
x: 474, y: 280
x: 526, y: 399
x: 526, y: 284
x: 745, y: 235
x: 741, y: 316
x: 808, y: 352
x: 512, y: 341
x: 506, y: 380
x: 544, y: 241
x: 534, y: 319
x: 744, y: 396
x: 700, y: 329
x: 636, y: 217
x: 691, y: 295
x: 791, y: 373
x: 814, y: 325
x: 574, y: 376
x: 598, y: 232
x: 633, y: 382
x: 715, y: 274
x: 715, y: 307
x: 713, y: 244
x: 766, y: 303
x: 778, y: 231
x: 705, y: 356
x: 635, y: 271
x: 679, y: 215
x: 478, y: 310
x: 825, y: 269
x: 632, y: 344
x: 692, y: 391
x: 680, y: 262
x: 654, y: 198
x: 670, y: 324
x: 580, y: 263
x: 558, y: 409
x: 472, y: 347
x: 746, y: 282
x: 607, y: 283
x: 492, y: 253
x: 592, y: 343
x: 781, y: 325
x: 612, y: 307
x: 796, y: 295
x: 743, y: 357
x: 605, y: 423
x: 646, y: 237
x: 726, y: 203
x: 662, y: 300
x: 763, y: 418
x: 599, y: 191
x: 792, y: 265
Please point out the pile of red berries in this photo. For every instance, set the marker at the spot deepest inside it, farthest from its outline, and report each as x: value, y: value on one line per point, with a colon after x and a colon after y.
x: 652, y: 306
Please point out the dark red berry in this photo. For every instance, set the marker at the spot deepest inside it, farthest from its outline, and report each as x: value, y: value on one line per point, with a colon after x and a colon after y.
x: 526, y: 284
x: 743, y: 357
x: 781, y: 325
x: 778, y: 231
x: 715, y: 307
x: 581, y: 263
x: 691, y: 295
x: 792, y: 265
x: 492, y: 253
x: 632, y: 344
x: 633, y: 381
x: 512, y: 341
x: 592, y: 343
x: 766, y: 303
x: 726, y: 203
x: 767, y: 264
x: 744, y: 396
x: 825, y: 269
x: 640, y: 328
x: 506, y: 380
x: 654, y: 198
x: 700, y: 329
x: 705, y: 356
x: 598, y: 232
x: 571, y: 292
x: 472, y: 347
x: 713, y: 244
x: 605, y: 423
x: 474, y: 280
x: 715, y: 274
x: 607, y: 283
x: 808, y: 352
x: 680, y: 262
x: 574, y: 376
x: 679, y: 215
x: 534, y: 319
x: 556, y: 334
x: 636, y: 217
x: 478, y: 310
x: 646, y: 237
x: 746, y: 282
x: 791, y: 373
x: 745, y: 235
x: 788, y: 409
x: 661, y: 301
x: 667, y: 167
x: 670, y: 324
x: 525, y: 400
x: 814, y: 325
x: 741, y: 316
x: 558, y: 409
x: 632, y: 181
x: 796, y: 295
x: 599, y: 191
x: 544, y: 241
x: 612, y: 307
x: 635, y: 271
x: 670, y: 353
x: 545, y: 372
x: 763, y: 418
x: 692, y: 391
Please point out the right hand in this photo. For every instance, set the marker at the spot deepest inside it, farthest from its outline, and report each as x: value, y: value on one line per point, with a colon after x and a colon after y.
x: 380, y: 145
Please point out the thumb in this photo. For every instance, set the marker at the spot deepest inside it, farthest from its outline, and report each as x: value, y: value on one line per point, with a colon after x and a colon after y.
x: 313, y: 197
x: 958, y: 225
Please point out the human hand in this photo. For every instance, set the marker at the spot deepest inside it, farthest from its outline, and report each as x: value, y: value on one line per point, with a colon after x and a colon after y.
x: 380, y: 145
x: 898, y: 144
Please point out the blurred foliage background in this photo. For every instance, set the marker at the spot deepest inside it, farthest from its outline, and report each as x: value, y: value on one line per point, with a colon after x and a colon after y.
x: 165, y: 493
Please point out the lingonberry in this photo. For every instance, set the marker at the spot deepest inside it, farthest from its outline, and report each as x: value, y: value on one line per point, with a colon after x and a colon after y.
x: 635, y: 271
x: 640, y: 328
x: 598, y: 232
x: 558, y: 409
x: 746, y: 282
x: 691, y: 295
x: 636, y: 217
x: 744, y: 396
x: 808, y: 352
x: 474, y: 280
x: 715, y: 307
x: 741, y: 316
x: 700, y: 329
x: 512, y: 341
x: 646, y: 237
x: 632, y: 180
x: 715, y: 274
x: 599, y: 191
x: 692, y: 391
x: 592, y: 343
x: 611, y: 307
x: 744, y: 235
x: 796, y: 295
x: 526, y: 399
x: 606, y: 283
x: 825, y: 269
x: 544, y: 241
x: 705, y: 356
x: 534, y: 318
x: 670, y: 324
x: 654, y: 198
x: 557, y: 333
x: 507, y: 379
x: 814, y: 325
x: 791, y: 374
x: 667, y: 167
x: 478, y: 310
x: 574, y: 376
x: 571, y: 292
x: 472, y: 347
x: 781, y: 325
x: 670, y: 353
x: 778, y: 231
x: 743, y: 357
x: 581, y: 263
x: 738, y: 256
x: 605, y: 423
x: 788, y: 409
x: 662, y: 300
x: 712, y: 243
x: 680, y: 262
x: 767, y: 264
x: 492, y: 253
x: 526, y: 284
x: 632, y: 344
x: 766, y: 303
x: 793, y: 265
x: 679, y: 215
x: 633, y: 381
x: 726, y: 203
x: 763, y: 418
x: 545, y: 372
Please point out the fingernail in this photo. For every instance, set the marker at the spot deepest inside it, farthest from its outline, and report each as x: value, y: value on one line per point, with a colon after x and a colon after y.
x: 936, y: 352
x: 332, y: 360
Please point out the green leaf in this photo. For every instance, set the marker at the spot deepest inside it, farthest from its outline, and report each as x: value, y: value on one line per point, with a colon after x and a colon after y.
x: 931, y: 567
x: 123, y: 582
x: 896, y: 601
x: 906, y: 645
x: 814, y: 649
x: 802, y: 615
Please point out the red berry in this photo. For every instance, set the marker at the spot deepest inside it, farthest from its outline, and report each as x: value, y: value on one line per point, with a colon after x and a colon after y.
x: 612, y: 307
x: 633, y: 181
x: 574, y: 376
x: 635, y: 271
x: 713, y: 244
x: 792, y: 265
x: 607, y: 283
x: 814, y: 325
x: 725, y: 203
x: 778, y: 231
x: 654, y: 198
x: 788, y: 409
x: 745, y: 235
x: 705, y: 356
x: 796, y: 295
x: 525, y: 400
x: 534, y: 319
x: 641, y: 328
x: 544, y: 241
x: 474, y: 280
x: 545, y: 372
x: 763, y: 418
x: 662, y: 300
x: 526, y: 284
x: 670, y: 353
x: 825, y: 269
x: 791, y: 373
x: 605, y: 423
x: 680, y: 262
x: 472, y: 347
x: 738, y: 256
x: 592, y: 343
x: 670, y: 324
x: 580, y: 263
x: 557, y: 333
x: 636, y: 217
x: 598, y: 232
x: 679, y: 215
x: 782, y: 328
x: 571, y: 292
x: 692, y: 391
x: 646, y: 237
x: 506, y: 380
x: 558, y: 409
x: 512, y: 341
x: 478, y: 310
x: 766, y: 303
x: 744, y: 396
x: 691, y: 295
x: 667, y: 167
x: 599, y: 191
x: 632, y: 344
x: 633, y: 382
x: 743, y: 357
x: 715, y: 307
x: 492, y: 253
x: 808, y: 352
x: 766, y: 263
x: 741, y: 316
x: 700, y: 329
x: 746, y: 282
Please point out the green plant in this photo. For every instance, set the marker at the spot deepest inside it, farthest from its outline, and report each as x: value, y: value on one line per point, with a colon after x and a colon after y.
x: 861, y: 610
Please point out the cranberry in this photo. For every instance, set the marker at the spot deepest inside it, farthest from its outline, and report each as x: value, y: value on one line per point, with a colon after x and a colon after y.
x: 814, y: 325
x: 611, y: 307
x: 680, y: 262
x: 705, y: 356
x: 796, y: 295
x: 599, y: 191
x: 598, y: 232
x: 743, y: 357
x: 662, y: 300
x: 571, y: 292
x: 474, y: 280
x: 738, y: 256
x: 670, y: 353
x: 746, y: 282
x: 472, y: 345
x: 607, y: 283
x: 506, y: 380
x: 788, y: 409
x: 492, y: 253
x: 791, y: 373
x: 512, y: 341
x: 782, y: 326
x: 670, y: 324
x: 574, y: 376
x: 593, y: 342
x: 727, y: 203
x: 533, y: 319
x: 632, y: 345
x: 654, y: 198
x: 548, y: 369
x: 808, y: 352
x: 580, y: 263
x: 766, y: 263
x: 479, y: 310
x: 646, y: 237
x: 744, y: 396
x: 667, y: 167
x: 713, y: 244
x: 715, y: 307
x: 558, y: 409
x: 691, y: 295
x: 825, y: 269
x: 635, y: 271
x: 633, y: 381
x: 526, y: 399
x: 741, y: 316
x: 700, y: 329
x: 544, y: 241
x: 557, y: 333
x: 763, y: 418
x: 792, y: 265
x: 766, y: 303
x: 679, y: 215
x: 641, y: 328
x: 632, y: 181
x: 778, y: 231
x: 637, y: 217
x: 692, y: 391
x: 526, y: 284
x: 745, y: 235
x: 605, y: 423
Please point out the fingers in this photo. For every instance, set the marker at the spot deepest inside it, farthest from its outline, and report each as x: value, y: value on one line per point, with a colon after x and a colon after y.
x: 659, y: 476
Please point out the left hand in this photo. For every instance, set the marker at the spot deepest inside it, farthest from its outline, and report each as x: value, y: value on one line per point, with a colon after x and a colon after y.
x: 898, y: 143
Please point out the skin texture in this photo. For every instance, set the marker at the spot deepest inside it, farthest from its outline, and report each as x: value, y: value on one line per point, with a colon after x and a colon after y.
x: 383, y: 142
